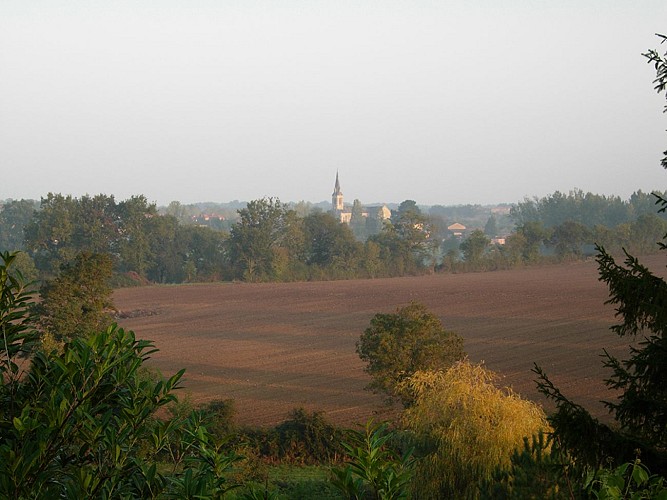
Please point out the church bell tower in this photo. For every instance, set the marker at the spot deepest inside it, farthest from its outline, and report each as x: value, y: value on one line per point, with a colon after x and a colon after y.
x: 337, y: 197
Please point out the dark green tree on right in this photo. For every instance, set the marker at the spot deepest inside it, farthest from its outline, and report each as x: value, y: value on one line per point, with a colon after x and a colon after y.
x: 640, y: 413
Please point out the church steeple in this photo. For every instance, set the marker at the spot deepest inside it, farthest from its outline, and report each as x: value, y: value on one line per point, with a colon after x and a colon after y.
x: 337, y: 196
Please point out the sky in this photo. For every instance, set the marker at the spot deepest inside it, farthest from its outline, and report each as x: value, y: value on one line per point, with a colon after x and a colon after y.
x: 442, y: 102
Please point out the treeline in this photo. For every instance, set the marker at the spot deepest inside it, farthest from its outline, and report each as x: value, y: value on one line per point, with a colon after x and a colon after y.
x: 271, y: 241
x: 141, y: 242
x: 588, y: 209
x: 561, y: 227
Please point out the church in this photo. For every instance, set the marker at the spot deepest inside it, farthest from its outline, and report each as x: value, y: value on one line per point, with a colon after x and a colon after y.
x: 344, y: 214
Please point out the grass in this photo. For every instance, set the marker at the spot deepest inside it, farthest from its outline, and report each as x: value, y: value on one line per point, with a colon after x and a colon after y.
x: 293, y: 482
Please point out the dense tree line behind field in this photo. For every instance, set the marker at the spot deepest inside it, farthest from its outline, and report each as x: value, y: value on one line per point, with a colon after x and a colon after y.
x: 266, y: 240
x: 270, y: 241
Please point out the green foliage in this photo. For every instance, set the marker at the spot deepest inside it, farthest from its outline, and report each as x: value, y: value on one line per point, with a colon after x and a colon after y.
x: 631, y: 480
x: 267, y: 230
x: 534, y: 235
x: 81, y: 424
x: 306, y: 437
x: 569, y: 238
x: 397, y: 345
x: 80, y: 420
x: 303, y: 438
x: 538, y: 471
x: 474, y: 246
x: 373, y: 469
x: 219, y: 415
x: 24, y: 267
x: 329, y: 243
x: 140, y: 240
x: 660, y: 83
x: 587, y: 209
x: 16, y: 327
x: 78, y: 301
x: 14, y: 216
x: 491, y: 227
x: 465, y: 427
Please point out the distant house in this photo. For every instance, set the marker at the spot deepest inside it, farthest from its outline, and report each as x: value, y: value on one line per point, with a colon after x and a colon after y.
x: 457, y: 229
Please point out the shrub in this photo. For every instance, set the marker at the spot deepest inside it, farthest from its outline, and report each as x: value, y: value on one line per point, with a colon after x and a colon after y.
x: 373, y: 469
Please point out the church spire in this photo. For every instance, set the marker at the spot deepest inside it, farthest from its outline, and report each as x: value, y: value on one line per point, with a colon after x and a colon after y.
x: 337, y: 186
x: 337, y: 197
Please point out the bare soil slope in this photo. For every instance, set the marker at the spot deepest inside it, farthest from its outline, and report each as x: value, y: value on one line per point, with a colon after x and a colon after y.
x: 273, y: 347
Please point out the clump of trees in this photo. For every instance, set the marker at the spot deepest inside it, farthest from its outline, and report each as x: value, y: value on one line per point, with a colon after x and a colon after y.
x: 270, y: 242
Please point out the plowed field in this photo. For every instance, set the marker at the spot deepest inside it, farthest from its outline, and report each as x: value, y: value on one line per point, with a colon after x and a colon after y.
x: 273, y: 347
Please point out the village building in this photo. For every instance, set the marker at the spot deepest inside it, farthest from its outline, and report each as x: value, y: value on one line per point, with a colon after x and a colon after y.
x: 344, y: 214
x: 457, y: 229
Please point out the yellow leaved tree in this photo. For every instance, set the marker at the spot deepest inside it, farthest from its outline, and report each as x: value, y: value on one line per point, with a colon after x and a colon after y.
x: 465, y: 427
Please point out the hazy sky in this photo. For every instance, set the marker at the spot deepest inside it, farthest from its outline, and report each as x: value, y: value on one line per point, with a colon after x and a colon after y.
x: 440, y: 102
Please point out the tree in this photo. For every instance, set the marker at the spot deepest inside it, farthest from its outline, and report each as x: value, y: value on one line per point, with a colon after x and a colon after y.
x: 474, y: 246
x: 645, y: 232
x: 204, y: 252
x: 397, y: 345
x: 16, y: 327
x: 465, y: 427
x: 412, y: 227
x: 640, y: 412
x: 167, y: 250
x: 77, y: 302
x: 569, y: 238
x: 328, y: 243
x: 49, y: 234
x: 134, y: 248
x: 534, y: 234
x: 491, y: 227
x: 358, y: 222
x: 660, y: 83
x: 265, y: 225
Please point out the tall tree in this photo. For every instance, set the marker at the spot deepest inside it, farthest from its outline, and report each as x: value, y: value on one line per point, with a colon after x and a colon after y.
x: 264, y: 226
x: 568, y: 238
x: 49, y: 234
x: 491, y: 227
x: 474, y: 246
x: 358, y: 221
x: 328, y: 242
x: 134, y: 242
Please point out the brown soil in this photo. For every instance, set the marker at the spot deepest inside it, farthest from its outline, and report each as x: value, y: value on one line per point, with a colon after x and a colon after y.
x: 273, y: 347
